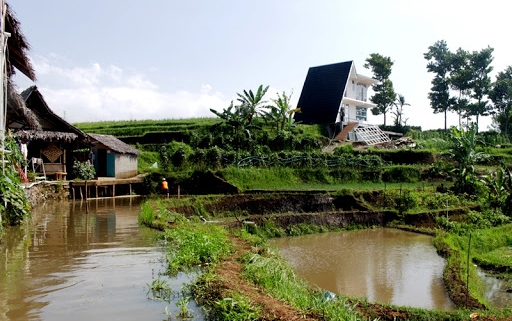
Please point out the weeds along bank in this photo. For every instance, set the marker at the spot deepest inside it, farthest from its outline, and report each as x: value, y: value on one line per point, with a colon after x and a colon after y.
x: 208, y: 231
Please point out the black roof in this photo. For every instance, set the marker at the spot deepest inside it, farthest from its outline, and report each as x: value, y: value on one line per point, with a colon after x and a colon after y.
x: 322, y: 93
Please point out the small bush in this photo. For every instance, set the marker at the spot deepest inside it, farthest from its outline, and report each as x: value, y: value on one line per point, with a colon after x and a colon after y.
x: 342, y: 175
x: 372, y: 175
x: 320, y: 175
x: 344, y: 149
x: 401, y: 174
x: 83, y: 170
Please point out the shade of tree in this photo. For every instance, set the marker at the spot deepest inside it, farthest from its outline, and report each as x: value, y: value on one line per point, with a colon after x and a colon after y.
x: 501, y: 96
x: 385, y: 94
x: 438, y: 57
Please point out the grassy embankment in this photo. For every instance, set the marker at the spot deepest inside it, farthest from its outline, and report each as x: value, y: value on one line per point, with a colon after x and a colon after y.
x: 262, y: 267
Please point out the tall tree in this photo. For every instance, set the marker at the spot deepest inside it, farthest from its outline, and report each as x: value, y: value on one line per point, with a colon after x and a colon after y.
x: 385, y: 94
x: 501, y: 96
x: 481, y: 82
x: 460, y: 81
x: 438, y: 57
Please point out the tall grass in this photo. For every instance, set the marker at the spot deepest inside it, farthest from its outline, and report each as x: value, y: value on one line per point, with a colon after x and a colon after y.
x: 493, y: 247
x: 194, y: 244
x: 277, y: 276
x: 147, y: 215
x: 261, y: 178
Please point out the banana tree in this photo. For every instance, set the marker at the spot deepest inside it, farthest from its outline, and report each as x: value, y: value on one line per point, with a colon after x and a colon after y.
x: 251, y: 102
x: 280, y: 114
x: 463, y: 152
x: 235, y: 117
x: 499, y: 184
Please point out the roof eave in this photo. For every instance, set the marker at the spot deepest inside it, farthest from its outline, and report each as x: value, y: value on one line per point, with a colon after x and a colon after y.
x: 358, y: 103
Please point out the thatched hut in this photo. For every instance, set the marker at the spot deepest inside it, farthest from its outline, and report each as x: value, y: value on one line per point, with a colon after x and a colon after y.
x: 48, y: 136
x: 17, y: 47
x: 16, y: 59
x: 113, y: 157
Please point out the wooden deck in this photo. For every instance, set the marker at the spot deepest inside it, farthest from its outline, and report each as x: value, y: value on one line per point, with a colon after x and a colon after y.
x: 103, y: 187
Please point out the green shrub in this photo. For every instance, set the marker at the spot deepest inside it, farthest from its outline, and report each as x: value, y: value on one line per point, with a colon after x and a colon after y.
x: 146, y: 160
x: 437, y: 144
x: 404, y: 156
x: 372, y: 175
x: 343, y: 174
x: 401, y: 174
x: 319, y: 175
x: 83, y: 170
x: 344, y: 149
x: 213, y: 157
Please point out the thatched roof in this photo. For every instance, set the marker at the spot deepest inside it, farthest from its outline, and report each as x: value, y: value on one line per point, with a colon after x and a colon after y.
x: 17, y: 47
x: 33, y: 119
x: 47, y: 136
x: 18, y: 115
x: 114, y: 144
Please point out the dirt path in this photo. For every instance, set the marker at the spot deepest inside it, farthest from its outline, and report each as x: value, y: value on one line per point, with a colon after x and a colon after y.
x: 229, y: 272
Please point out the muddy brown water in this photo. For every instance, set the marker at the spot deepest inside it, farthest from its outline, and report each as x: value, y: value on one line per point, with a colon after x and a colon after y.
x: 383, y: 265
x: 497, y: 291
x: 65, y: 264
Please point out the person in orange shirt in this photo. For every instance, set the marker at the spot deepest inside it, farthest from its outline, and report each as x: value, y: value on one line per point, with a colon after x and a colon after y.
x: 165, y: 187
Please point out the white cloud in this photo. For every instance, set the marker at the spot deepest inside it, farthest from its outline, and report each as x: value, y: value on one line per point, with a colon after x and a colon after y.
x: 94, y: 93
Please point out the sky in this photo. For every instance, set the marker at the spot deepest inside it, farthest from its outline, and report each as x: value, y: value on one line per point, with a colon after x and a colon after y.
x: 103, y: 60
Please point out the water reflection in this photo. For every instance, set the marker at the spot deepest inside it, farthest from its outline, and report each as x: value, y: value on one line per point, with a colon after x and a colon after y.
x: 383, y: 265
x: 66, y: 264
x: 496, y: 290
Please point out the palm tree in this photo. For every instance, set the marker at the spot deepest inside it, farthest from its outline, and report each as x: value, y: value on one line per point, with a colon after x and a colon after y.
x: 399, y: 112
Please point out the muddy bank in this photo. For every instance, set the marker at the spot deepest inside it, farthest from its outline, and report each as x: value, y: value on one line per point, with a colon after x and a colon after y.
x: 41, y: 192
x: 329, y: 219
x: 308, y: 207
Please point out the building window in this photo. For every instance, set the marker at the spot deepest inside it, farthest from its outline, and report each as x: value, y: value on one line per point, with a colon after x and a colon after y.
x: 361, y: 113
x: 361, y: 92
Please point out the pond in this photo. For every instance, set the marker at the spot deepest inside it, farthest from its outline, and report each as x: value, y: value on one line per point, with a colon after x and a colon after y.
x: 497, y: 291
x: 78, y: 262
x: 383, y: 265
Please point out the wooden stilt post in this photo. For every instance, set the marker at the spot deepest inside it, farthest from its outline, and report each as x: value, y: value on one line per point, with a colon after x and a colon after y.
x: 178, y: 192
x: 86, y: 202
